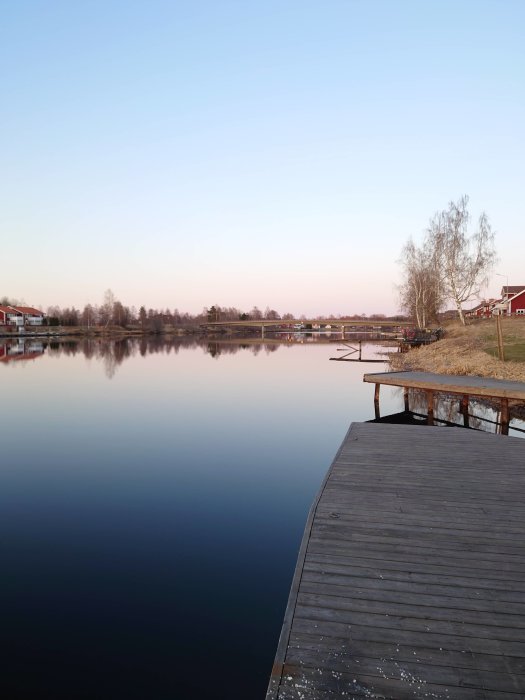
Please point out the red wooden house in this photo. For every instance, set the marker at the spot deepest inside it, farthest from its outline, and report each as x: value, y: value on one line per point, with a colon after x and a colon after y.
x: 10, y: 316
x: 483, y: 310
x: 516, y: 304
x: 509, y: 291
x: 20, y: 316
x: 512, y: 301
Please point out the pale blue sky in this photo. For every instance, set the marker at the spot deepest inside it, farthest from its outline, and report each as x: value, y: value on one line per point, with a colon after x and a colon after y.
x: 241, y: 153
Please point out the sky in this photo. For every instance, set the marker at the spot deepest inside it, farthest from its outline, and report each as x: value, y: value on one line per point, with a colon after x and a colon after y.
x: 241, y: 153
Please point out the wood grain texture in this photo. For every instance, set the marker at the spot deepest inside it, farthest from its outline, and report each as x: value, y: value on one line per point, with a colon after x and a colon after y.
x: 410, y: 581
x: 454, y: 384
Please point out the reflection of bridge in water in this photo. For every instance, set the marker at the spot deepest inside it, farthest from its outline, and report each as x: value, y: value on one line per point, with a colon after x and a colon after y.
x: 307, y: 337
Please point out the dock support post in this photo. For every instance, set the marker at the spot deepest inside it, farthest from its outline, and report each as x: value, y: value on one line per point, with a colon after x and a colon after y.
x: 430, y: 407
x: 359, y: 349
x: 504, y: 416
x: 342, y: 332
x: 262, y: 330
x: 405, y: 396
x: 376, y: 401
x: 463, y: 408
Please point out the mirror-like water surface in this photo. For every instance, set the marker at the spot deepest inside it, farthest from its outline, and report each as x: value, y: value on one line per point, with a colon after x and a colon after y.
x: 152, y: 500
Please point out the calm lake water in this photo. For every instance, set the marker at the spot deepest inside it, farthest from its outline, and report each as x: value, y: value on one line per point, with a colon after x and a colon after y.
x: 153, y: 497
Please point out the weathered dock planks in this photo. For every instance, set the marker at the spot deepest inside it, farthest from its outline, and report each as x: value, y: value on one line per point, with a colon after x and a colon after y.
x: 453, y: 384
x: 410, y: 581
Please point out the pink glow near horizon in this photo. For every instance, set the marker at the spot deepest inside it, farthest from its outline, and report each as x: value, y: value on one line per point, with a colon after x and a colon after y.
x: 165, y: 167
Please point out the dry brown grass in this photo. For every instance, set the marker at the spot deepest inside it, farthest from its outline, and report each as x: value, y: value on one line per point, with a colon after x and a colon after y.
x: 466, y: 350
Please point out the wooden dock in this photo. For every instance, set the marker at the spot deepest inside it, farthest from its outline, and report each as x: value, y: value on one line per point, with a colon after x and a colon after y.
x: 410, y: 581
x: 463, y: 386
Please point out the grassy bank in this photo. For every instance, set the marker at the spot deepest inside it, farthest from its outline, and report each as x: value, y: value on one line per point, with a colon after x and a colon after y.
x: 471, y: 350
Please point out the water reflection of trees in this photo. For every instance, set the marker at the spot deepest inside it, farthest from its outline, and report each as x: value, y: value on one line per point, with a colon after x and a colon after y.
x: 111, y: 352
x: 114, y: 351
x: 216, y: 349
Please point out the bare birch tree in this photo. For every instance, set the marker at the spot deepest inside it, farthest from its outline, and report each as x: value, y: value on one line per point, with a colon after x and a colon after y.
x: 106, y: 310
x: 421, y: 291
x: 464, y: 261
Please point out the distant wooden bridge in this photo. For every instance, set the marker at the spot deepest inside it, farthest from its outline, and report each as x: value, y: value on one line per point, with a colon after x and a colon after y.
x: 341, y: 325
x: 410, y: 580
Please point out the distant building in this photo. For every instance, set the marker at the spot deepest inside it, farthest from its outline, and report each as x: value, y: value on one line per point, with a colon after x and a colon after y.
x: 508, y: 292
x: 484, y: 309
x: 513, y: 301
x: 20, y: 316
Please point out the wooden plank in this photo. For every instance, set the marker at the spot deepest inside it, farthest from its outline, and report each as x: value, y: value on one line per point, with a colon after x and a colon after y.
x: 452, y: 593
x: 391, y: 683
x: 396, y: 571
x: 436, y: 608
x: 454, y: 384
x: 442, y: 669
x: 411, y: 575
x: 379, y: 648
x: 424, y: 639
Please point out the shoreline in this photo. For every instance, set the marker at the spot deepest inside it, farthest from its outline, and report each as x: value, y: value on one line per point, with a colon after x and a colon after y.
x: 466, y: 351
x: 97, y: 331
x: 469, y: 350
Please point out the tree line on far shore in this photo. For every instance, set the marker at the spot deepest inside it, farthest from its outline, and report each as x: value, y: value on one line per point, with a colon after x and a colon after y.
x: 449, y: 265
x: 112, y: 312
